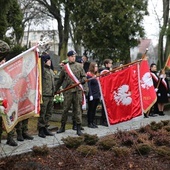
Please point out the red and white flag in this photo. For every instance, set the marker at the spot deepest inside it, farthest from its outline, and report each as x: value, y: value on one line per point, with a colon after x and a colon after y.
x: 121, y: 95
x: 19, y: 84
x: 148, y: 94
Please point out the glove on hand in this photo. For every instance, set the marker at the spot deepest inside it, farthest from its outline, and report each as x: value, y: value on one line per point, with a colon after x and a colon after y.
x: 83, y: 82
x: 91, y: 98
x: 161, y: 76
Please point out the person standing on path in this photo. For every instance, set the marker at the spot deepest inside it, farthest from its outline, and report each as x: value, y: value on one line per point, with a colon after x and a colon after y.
x: 93, y: 95
x: 107, y: 68
x: 72, y: 73
x: 48, y: 89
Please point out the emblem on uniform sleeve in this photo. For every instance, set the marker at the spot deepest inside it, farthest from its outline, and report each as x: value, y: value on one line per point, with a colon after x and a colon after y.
x: 122, y: 95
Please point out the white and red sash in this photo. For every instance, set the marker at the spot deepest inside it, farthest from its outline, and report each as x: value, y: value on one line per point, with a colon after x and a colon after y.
x: 164, y: 83
x: 74, y: 78
x: 154, y: 77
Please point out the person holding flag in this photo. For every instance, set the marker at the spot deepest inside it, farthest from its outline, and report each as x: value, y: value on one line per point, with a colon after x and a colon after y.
x: 4, y: 49
x: 163, y: 92
x: 47, y: 96
x: 107, y: 68
x: 73, y: 73
x: 155, y: 78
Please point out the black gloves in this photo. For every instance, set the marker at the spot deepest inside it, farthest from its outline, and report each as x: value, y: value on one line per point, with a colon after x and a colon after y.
x: 83, y: 82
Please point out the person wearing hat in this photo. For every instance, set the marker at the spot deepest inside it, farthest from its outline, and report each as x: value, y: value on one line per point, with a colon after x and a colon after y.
x: 46, y: 108
x: 72, y: 73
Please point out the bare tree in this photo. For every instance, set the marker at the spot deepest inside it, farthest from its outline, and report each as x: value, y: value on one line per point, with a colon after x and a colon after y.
x: 59, y: 10
x: 33, y: 15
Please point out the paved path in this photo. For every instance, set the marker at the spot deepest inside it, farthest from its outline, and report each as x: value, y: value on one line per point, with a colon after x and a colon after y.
x: 26, y: 146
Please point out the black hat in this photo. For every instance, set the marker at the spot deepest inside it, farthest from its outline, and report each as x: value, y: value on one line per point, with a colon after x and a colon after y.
x: 70, y: 53
x: 46, y: 57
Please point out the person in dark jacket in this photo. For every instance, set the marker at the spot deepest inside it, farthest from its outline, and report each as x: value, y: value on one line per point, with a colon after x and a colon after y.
x: 93, y: 95
x: 107, y: 68
x: 155, y: 78
x: 162, y: 92
x: 85, y: 63
x: 48, y: 89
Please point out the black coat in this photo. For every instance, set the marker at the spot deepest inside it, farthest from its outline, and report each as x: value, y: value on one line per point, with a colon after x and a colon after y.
x: 163, y: 91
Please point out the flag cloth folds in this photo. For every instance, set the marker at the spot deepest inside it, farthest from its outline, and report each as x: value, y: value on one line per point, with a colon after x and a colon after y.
x: 19, y: 80
x: 148, y: 93
x: 121, y: 95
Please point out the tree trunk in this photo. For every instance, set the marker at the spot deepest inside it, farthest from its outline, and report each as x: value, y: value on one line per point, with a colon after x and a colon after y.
x: 162, y: 33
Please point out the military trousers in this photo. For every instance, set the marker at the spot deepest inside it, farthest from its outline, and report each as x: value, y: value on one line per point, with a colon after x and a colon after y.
x: 22, y: 126
x: 10, y: 134
x: 74, y: 99
x: 46, y: 111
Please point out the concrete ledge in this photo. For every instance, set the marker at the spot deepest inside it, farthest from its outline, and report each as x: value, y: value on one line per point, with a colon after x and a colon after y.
x: 56, y: 116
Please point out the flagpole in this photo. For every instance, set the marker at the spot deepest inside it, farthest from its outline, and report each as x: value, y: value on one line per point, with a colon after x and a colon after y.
x: 162, y: 70
x: 113, y: 70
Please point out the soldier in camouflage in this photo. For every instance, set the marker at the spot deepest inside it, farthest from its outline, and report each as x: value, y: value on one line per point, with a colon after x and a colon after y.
x: 47, y: 97
x: 4, y: 49
x: 74, y: 95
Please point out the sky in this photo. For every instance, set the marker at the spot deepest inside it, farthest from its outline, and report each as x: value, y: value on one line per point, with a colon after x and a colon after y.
x: 151, y: 24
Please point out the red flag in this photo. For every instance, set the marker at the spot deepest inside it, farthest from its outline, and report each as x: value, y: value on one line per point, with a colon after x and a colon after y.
x: 148, y: 93
x: 121, y: 95
x: 19, y: 85
x: 168, y: 62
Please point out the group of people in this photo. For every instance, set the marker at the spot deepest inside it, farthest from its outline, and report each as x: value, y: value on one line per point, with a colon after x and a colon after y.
x: 162, y: 90
x: 82, y: 81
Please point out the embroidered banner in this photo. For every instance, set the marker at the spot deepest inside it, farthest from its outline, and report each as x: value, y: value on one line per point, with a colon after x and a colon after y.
x: 19, y: 84
x: 148, y: 93
x: 121, y: 95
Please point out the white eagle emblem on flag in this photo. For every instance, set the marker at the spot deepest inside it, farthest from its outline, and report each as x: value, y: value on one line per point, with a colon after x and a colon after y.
x: 123, y: 95
x: 146, y: 81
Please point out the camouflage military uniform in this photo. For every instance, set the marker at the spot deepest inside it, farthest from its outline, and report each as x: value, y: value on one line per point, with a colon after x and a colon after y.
x: 4, y: 48
x: 74, y: 95
x: 47, y: 97
x: 22, y: 126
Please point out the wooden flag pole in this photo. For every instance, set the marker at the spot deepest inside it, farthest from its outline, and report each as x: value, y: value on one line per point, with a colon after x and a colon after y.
x: 117, y: 68
x: 162, y: 70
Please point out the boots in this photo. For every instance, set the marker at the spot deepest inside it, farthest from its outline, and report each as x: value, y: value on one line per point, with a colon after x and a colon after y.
x: 11, y: 142
x: 41, y: 132
x: 79, y: 132
x: 19, y: 136
x: 74, y: 126
x: 47, y: 132
x: 27, y: 136
x: 161, y: 113
x: 62, y: 128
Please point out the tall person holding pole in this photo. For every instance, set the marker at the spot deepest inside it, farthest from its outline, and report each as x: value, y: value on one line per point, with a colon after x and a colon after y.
x: 72, y: 73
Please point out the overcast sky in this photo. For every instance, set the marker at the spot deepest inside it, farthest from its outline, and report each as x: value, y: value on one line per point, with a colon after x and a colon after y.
x: 151, y: 24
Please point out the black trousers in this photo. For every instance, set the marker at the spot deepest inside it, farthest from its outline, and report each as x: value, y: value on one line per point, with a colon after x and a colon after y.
x: 92, y: 105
